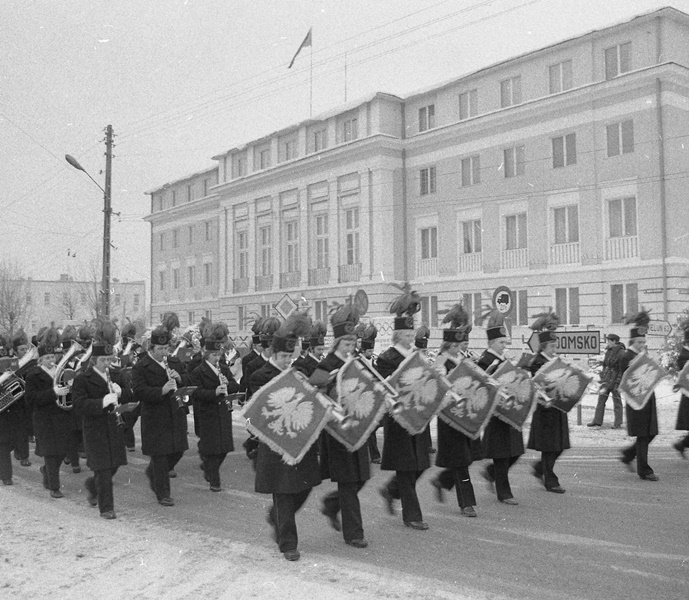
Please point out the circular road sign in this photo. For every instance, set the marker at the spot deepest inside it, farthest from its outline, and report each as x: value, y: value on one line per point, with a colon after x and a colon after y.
x: 361, y: 301
x: 502, y: 300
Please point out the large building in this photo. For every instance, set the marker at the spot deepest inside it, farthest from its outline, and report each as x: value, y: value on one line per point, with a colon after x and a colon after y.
x: 558, y: 174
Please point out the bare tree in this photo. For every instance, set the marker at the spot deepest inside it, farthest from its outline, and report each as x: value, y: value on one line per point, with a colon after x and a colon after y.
x: 89, y: 286
x: 13, y: 300
x: 70, y: 301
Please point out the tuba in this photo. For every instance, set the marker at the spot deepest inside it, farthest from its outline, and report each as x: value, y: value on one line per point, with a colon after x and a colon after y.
x: 63, y: 376
x: 12, y: 384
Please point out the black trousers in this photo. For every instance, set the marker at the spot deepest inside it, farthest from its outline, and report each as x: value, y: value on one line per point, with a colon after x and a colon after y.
x: 51, y: 475
x: 373, y: 447
x: 616, y: 404
x: 211, y: 467
x: 684, y: 441
x: 5, y: 462
x: 283, y: 512
x: 403, y: 487
x: 545, y: 468
x: 76, y: 441
x: 499, y: 472
x: 459, y: 479
x: 346, y: 501
x: 100, y: 485
x: 159, y: 471
x: 639, y: 450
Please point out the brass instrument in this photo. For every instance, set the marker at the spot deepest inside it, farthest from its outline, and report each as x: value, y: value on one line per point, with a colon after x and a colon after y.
x: 63, y: 377
x: 12, y: 384
x: 226, y: 399
x: 338, y: 414
x: 111, y: 388
x: 394, y: 406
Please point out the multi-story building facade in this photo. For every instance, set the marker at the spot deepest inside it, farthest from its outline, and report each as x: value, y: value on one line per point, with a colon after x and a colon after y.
x: 558, y: 174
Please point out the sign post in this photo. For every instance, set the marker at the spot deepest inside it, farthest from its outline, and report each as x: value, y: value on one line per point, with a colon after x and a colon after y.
x: 572, y: 342
x: 503, y: 302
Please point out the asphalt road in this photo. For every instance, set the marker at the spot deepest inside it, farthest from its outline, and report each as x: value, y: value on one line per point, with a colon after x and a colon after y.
x: 610, y: 536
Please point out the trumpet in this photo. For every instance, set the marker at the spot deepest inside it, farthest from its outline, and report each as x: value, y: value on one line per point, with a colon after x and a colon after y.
x: 63, y: 377
x: 337, y: 414
x: 395, y: 407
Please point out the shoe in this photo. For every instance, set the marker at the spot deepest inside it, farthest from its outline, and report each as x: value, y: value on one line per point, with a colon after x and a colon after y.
x: 56, y: 494
x: 387, y: 496
x: 357, y: 543
x: 333, y: 519
x: 108, y: 514
x: 536, y: 472
x: 82, y: 454
x: 490, y: 480
x: 432, y: 450
x: 149, y: 475
x: 253, y: 455
x: 592, y: 424
x: 76, y: 469
x: 291, y: 555
x: 679, y: 446
x: 273, y: 525
x: 172, y: 474
x: 66, y: 460
x: 420, y: 525
x: 650, y: 477
x: 216, y: 488
x: 469, y: 511
x: 166, y: 502
x: 16, y: 455
x: 509, y: 501
x: 439, y: 491
x: 131, y: 449
x: 7, y: 482
x: 375, y: 461
x: 627, y: 462
x: 25, y: 462
x: 558, y: 489
x: 45, y: 477
x: 92, y: 499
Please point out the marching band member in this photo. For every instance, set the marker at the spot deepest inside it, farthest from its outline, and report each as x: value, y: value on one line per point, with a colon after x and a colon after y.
x: 421, y: 339
x: 683, y: 410
x: 501, y: 442
x: 10, y: 430
x: 315, y: 347
x: 290, y: 485
x: 350, y: 470
x: 52, y: 424
x: 367, y: 335
x: 214, y: 383
x: 253, y: 353
x: 96, y: 398
x: 640, y: 423
x: 549, y: 426
x: 20, y: 346
x: 403, y: 453
x: 163, y: 417
x: 67, y: 338
x: 454, y: 448
x: 129, y: 418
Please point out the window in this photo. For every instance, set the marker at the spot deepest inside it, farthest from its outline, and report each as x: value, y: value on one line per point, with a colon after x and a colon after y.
x: 350, y: 130
x: 205, y: 187
x: 320, y: 140
x: 468, y: 104
x: 352, y: 236
x: 429, y: 243
x: 118, y: 299
x: 567, y: 305
x: 137, y: 299
x: 427, y: 181
x: 321, y: 310
x: 266, y: 310
x: 513, y: 160
x: 190, y: 193
x: 292, y: 246
x: 472, y: 304
x: 289, y: 149
x: 515, y: 231
x: 161, y: 279
x: 620, y: 138
x: 191, y: 234
x: 175, y: 240
x: 191, y: 272
x: 161, y: 242
x: 264, y: 158
x: 209, y: 315
x: 560, y: 76
x: 241, y: 318
x: 207, y: 274
x: 624, y: 300
x: 242, y: 255
x: 174, y: 198
x: 521, y: 309
x: 511, y: 91
x: 28, y: 299
x: 239, y: 166
x: 429, y: 310
x: 265, y: 235
x: 46, y: 299
x: 175, y: 278
x: 427, y: 117
x: 83, y: 298
x: 566, y: 224
x: 618, y: 60
x: 209, y: 231
x: 622, y: 217
x: 471, y: 171
x: 564, y: 150
x: 471, y: 232
x: 190, y: 317
x: 322, y: 260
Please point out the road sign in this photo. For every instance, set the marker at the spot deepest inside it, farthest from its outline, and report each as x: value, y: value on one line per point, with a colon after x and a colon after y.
x: 572, y: 342
x: 503, y: 300
x: 285, y: 306
x: 659, y: 328
x: 361, y: 301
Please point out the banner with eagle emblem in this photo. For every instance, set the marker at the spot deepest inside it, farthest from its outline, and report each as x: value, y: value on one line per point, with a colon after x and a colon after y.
x: 363, y: 401
x: 640, y: 379
x: 421, y: 391
x: 562, y: 384
x: 471, y: 400
x: 519, y: 397
x: 683, y: 380
x: 288, y: 414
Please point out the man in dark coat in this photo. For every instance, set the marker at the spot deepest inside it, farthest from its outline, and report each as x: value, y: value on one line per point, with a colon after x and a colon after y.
x: 163, y: 416
x: 315, y: 348
x: 11, y: 426
x: 290, y: 485
x: 609, y: 382
x: 96, y: 401
x: 683, y: 410
x: 27, y: 359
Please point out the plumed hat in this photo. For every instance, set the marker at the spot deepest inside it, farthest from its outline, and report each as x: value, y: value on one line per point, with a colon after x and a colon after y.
x: 368, y: 336
x: 86, y: 334
x: 268, y: 328
x: 344, y: 320
x: 545, y: 325
x: 104, y: 338
x: 405, y: 306
x: 68, y: 335
x: 128, y: 332
x: 256, y: 330
x: 459, y: 329
x: 317, y: 334
x: 48, y: 342
x: 214, y: 336
x: 421, y: 336
x: 640, y: 320
x: 495, y: 325
x: 20, y: 338
x: 286, y: 338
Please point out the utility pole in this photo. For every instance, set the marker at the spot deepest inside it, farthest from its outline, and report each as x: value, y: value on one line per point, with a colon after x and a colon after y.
x: 107, y: 213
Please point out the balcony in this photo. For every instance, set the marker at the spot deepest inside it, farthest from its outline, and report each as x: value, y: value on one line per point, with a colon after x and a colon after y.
x: 565, y: 254
x: 319, y: 276
x: 241, y: 285
x: 618, y: 248
x: 264, y: 283
x: 426, y: 267
x: 290, y: 280
x: 516, y: 258
x: 471, y: 262
x: 350, y: 272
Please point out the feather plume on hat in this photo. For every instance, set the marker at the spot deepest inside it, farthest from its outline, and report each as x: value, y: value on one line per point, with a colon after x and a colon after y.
x: 298, y: 324
x: 407, y: 303
x: 86, y: 332
x: 270, y: 325
x: 458, y: 318
x: 640, y: 319
x: 69, y: 333
x: 105, y: 332
x: 370, y: 332
x: 545, y: 321
x: 49, y: 337
x: 318, y: 330
x: 170, y: 321
x: 129, y: 331
x: 422, y: 333
x: 492, y: 318
x: 344, y: 320
x: 20, y: 338
x: 218, y: 331
x: 257, y: 324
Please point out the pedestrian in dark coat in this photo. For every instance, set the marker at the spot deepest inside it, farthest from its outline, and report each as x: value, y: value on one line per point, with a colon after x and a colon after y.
x: 163, y: 416
x: 683, y: 410
x: 290, y: 485
x: 52, y: 424
x: 27, y: 358
x: 350, y: 470
x: 642, y: 424
x: 10, y: 427
x: 610, y: 377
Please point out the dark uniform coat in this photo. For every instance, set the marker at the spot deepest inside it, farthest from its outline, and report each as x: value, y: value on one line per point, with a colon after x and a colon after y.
x: 306, y: 364
x: 103, y: 437
x: 273, y: 476
x: 500, y: 440
x: 52, y: 425
x: 549, y: 426
x: 401, y: 451
x: 11, y: 423
x: 644, y: 422
x: 163, y: 422
x: 214, y: 418
x: 337, y: 463
x: 253, y: 366
x: 683, y: 412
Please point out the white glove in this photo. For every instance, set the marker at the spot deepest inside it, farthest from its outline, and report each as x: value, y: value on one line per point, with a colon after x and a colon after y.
x: 109, y: 399
x: 62, y: 390
x: 117, y: 389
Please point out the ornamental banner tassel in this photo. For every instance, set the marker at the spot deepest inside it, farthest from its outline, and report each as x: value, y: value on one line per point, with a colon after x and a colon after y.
x: 563, y: 384
x: 288, y: 414
x: 472, y: 399
x: 519, y: 399
x: 639, y: 380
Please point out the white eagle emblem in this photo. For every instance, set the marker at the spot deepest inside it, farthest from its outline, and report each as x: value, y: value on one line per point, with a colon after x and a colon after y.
x: 291, y: 413
x: 418, y: 388
x: 358, y: 401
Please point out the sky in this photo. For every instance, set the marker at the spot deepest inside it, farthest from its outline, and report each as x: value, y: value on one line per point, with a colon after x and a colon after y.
x: 183, y: 80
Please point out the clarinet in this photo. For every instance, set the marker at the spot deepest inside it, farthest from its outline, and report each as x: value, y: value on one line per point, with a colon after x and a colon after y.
x: 226, y: 399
